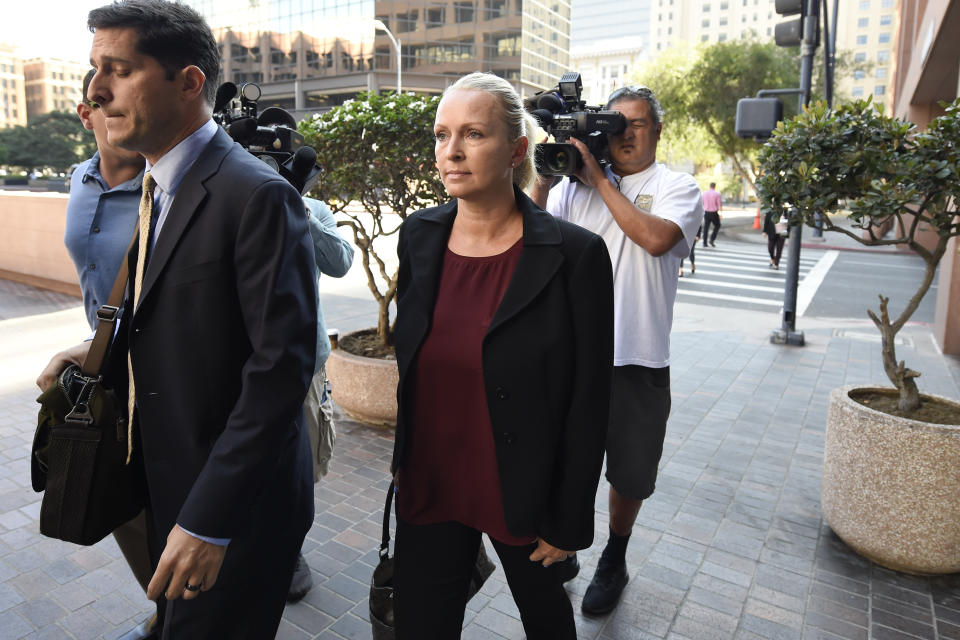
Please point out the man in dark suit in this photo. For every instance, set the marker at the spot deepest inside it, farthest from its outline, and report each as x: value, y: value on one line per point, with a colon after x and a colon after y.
x: 221, y: 334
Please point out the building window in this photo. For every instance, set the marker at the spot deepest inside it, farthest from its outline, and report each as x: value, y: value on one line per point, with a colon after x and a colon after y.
x: 705, y: 23
x: 463, y: 11
x: 407, y: 22
x: 881, y: 73
x: 861, y: 41
x: 863, y: 23
x: 883, y: 56
x: 884, y: 38
x: 436, y: 16
x: 860, y: 57
x: 724, y: 6
x: 706, y: 8
x: 496, y: 9
x: 858, y: 92
x: 723, y: 21
x: 886, y: 20
x: 859, y: 74
x: 864, y: 5
x: 886, y: 4
x: 879, y: 90
x: 704, y: 38
x: 722, y: 37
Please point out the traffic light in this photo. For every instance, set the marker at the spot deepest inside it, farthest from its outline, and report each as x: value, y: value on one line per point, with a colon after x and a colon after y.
x: 790, y: 33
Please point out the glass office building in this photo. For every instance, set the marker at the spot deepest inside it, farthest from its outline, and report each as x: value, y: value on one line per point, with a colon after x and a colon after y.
x: 314, y: 54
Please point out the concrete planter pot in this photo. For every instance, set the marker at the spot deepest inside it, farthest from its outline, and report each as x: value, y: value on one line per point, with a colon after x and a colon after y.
x: 891, y: 486
x: 365, y: 388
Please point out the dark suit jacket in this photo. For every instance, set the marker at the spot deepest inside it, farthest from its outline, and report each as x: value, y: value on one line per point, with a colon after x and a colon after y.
x: 223, y: 346
x: 547, y: 363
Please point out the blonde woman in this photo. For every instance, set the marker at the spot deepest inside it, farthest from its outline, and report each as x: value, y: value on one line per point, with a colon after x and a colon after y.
x: 504, y: 340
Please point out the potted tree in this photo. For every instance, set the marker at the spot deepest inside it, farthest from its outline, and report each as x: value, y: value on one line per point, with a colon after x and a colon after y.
x: 375, y: 150
x: 890, y: 487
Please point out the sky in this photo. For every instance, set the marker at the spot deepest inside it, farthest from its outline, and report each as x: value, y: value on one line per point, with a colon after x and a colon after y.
x: 49, y: 28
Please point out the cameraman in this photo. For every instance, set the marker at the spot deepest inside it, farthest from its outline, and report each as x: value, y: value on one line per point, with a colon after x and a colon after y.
x: 648, y: 216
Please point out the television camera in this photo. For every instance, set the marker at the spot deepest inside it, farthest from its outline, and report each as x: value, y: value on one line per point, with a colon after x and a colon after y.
x: 271, y: 136
x: 562, y: 113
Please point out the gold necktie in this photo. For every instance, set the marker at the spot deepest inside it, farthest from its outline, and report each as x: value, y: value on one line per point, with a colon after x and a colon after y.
x: 146, y: 212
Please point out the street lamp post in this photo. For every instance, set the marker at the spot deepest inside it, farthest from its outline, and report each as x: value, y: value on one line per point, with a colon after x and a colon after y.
x: 396, y: 45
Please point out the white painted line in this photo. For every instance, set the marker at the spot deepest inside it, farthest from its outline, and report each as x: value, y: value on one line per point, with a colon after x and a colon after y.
x: 761, y: 250
x: 731, y: 285
x: 885, y: 263
x: 770, y: 278
x: 724, y: 296
x: 751, y: 260
x: 723, y: 267
x: 808, y: 287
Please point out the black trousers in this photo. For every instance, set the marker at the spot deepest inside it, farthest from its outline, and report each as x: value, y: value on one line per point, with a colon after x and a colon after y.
x: 775, y: 247
x: 431, y: 574
x: 710, y: 218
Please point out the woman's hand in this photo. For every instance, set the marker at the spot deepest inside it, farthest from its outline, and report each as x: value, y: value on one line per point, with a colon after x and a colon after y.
x: 548, y: 554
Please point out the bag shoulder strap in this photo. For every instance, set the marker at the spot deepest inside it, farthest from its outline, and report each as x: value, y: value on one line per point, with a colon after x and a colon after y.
x: 385, y: 538
x: 107, y: 317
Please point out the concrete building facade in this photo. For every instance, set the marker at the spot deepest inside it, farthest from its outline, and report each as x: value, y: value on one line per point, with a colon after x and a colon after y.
x: 52, y: 85
x: 926, y: 72
x: 865, y: 27
x: 604, y: 65
x: 310, y: 55
x: 14, y: 106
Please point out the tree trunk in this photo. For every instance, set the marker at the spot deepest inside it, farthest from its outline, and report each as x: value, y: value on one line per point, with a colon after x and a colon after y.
x: 897, y: 372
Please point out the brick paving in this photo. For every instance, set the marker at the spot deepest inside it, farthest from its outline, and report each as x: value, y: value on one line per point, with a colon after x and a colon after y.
x: 732, y: 544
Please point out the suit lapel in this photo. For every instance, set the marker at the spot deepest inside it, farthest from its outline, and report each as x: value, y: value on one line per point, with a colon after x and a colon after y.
x: 190, y: 195
x: 426, y: 252
x: 540, y: 260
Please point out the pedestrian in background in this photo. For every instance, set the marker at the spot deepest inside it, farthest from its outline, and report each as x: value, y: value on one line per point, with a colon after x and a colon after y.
x: 712, y: 206
x: 774, y: 239
x: 333, y: 255
x: 504, y: 341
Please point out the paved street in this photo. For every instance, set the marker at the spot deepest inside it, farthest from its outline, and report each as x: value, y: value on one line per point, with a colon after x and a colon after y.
x: 732, y: 544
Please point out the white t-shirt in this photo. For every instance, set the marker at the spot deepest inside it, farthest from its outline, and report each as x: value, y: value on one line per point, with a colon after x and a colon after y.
x: 644, y: 286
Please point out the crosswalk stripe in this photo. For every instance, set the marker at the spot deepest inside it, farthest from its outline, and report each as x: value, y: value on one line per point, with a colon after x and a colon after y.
x: 809, y: 285
x: 732, y: 285
x: 771, y: 277
x: 724, y: 296
x: 733, y: 267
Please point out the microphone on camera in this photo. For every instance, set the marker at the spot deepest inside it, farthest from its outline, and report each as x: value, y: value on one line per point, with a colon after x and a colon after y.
x: 225, y: 93
x: 303, y: 161
x: 543, y: 116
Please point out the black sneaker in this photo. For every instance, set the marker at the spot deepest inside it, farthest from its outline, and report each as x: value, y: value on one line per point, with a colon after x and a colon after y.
x: 302, y: 581
x: 604, y: 591
x: 569, y: 568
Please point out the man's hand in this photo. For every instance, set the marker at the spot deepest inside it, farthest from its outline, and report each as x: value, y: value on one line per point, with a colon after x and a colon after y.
x: 590, y: 174
x: 548, y: 554
x: 74, y: 355
x: 186, y: 560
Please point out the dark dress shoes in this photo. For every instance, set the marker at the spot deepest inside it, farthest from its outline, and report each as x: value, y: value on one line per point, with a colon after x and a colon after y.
x: 604, y: 591
x: 302, y: 581
x: 569, y: 568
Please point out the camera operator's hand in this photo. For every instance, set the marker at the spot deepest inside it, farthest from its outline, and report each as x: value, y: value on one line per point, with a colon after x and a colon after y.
x: 74, y: 355
x: 590, y: 174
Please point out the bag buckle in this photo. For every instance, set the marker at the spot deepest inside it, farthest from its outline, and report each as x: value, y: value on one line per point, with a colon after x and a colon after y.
x: 108, y: 313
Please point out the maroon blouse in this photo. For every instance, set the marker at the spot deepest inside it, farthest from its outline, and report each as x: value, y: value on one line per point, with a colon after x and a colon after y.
x: 451, y: 469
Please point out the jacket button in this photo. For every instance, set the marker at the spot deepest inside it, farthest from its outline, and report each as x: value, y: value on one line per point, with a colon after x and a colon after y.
x: 501, y: 393
x: 509, y: 437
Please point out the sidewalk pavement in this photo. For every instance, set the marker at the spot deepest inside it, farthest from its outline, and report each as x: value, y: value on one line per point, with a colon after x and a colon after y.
x: 731, y: 546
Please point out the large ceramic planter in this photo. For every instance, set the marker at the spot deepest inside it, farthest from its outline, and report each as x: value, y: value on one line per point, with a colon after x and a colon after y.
x: 891, y: 486
x: 365, y: 388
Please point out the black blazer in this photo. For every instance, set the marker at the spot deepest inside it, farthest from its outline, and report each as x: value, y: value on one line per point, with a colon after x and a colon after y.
x: 223, y: 347
x: 547, y: 364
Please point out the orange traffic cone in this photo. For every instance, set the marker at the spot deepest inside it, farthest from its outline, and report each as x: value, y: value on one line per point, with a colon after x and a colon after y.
x: 756, y: 219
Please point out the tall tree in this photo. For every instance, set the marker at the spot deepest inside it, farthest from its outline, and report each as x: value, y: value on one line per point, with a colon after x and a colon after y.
x: 55, y: 140
x: 699, y: 90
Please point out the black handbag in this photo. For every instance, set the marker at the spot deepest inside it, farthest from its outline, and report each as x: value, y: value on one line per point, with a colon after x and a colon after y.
x: 381, y: 585
x: 80, y: 449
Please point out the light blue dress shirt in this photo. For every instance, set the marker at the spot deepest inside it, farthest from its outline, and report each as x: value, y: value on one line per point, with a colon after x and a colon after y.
x: 99, y: 225
x: 333, y: 255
